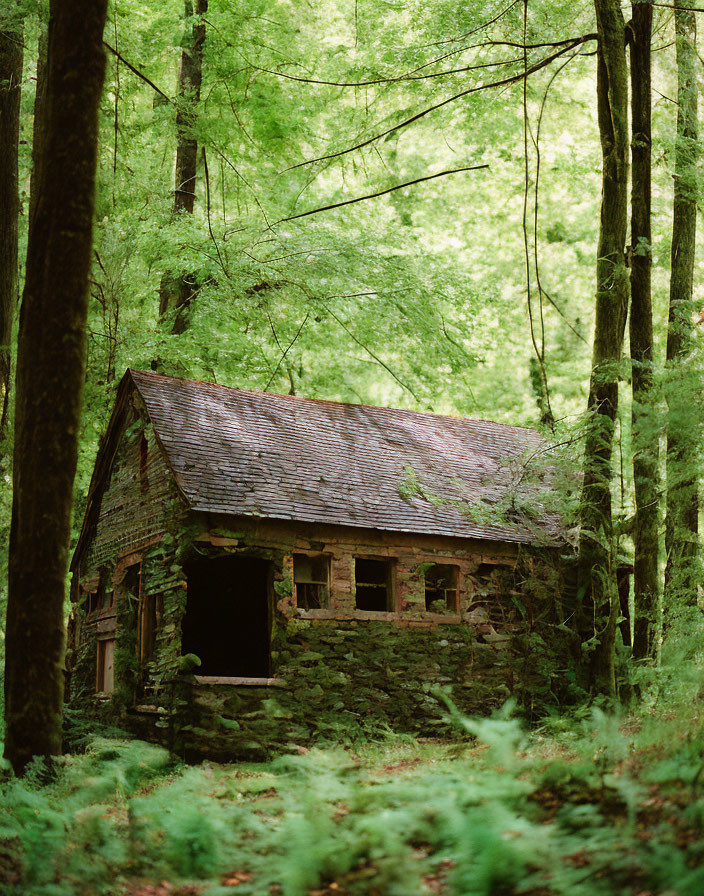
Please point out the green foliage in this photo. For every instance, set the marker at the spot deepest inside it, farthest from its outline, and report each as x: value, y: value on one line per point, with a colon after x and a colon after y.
x: 560, y: 812
x: 415, y: 299
x: 189, y: 663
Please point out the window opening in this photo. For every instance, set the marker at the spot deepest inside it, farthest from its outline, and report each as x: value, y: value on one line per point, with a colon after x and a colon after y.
x: 226, y: 624
x: 92, y: 601
x: 492, y: 602
x: 441, y: 588
x: 151, y: 607
x: 105, y: 678
x: 311, y: 576
x: 373, y: 585
x: 99, y: 600
x: 131, y: 583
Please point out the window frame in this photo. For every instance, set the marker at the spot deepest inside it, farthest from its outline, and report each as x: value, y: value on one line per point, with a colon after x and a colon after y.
x: 101, y: 666
x: 327, y: 557
x: 149, y: 623
x: 455, y: 610
x: 391, y: 610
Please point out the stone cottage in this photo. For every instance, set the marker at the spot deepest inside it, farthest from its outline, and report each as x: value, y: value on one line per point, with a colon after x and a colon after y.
x: 255, y: 569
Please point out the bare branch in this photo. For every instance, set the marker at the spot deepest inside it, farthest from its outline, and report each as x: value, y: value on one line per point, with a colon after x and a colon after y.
x: 137, y: 72
x: 683, y: 8
x: 396, y: 80
x: 549, y: 43
x: 408, y: 183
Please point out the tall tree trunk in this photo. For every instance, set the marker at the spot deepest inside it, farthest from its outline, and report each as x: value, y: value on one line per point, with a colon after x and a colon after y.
x: 646, y: 436
x: 597, y: 573
x: 11, y: 42
x: 177, y: 290
x: 49, y: 382
x: 683, y: 396
x: 39, y: 121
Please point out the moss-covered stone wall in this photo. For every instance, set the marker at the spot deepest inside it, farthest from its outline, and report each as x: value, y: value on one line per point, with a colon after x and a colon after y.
x: 341, y: 674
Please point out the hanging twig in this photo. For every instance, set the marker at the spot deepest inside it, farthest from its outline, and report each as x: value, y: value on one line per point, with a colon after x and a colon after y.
x: 482, y: 27
x: 536, y: 142
x: 287, y: 350
x: 207, y: 207
x: 231, y: 165
x: 539, y: 350
x: 370, y: 352
x: 117, y: 104
x: 408, y: 183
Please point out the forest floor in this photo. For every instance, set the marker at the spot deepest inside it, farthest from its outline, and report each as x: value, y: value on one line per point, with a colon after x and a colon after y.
x: 593, y: 804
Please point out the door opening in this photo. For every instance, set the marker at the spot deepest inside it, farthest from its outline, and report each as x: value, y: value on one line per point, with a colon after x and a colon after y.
x: 227, y: 616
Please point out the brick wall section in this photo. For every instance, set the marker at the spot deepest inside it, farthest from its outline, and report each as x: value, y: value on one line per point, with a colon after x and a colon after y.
x: 139, y: 501
x: 140, y: 510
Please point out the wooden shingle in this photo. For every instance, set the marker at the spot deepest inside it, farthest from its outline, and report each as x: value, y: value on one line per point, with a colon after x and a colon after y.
x: 283, y: 457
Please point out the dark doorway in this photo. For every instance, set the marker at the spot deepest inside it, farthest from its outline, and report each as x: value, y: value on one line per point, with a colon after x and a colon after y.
x: 227, y: 616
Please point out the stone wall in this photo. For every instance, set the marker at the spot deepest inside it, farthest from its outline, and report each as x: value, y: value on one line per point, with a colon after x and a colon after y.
x: 343, y: 674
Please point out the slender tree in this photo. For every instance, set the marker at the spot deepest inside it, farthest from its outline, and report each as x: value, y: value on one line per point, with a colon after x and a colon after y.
x: 49, y: 382
x: 597, y: 575
x: 682, y: 526
x: 177, y: 290
x: 646, y: 436
x: 11, y: 43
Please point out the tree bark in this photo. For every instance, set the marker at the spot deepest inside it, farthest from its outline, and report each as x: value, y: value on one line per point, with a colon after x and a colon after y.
x: 39, y: 120
x: 49, y: 382
x: 645, y: 432
x: 11, y: 43
x: 596, y: 568
x: 683, y: 395
x: 177, y: 290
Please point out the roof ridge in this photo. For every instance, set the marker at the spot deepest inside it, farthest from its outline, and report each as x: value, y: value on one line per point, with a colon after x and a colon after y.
x: 328, y: 401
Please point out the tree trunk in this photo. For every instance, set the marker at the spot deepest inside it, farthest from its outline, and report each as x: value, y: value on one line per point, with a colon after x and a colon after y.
x: 597, y: 573
x: 11, y: 42
x: 177, y: 290
x: 39, y: 121
x: 49, y: 382
x: 646, y: 435
x: 683, y: 395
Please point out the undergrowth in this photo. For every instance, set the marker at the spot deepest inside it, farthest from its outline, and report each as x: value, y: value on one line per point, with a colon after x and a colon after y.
x: 594, y: 804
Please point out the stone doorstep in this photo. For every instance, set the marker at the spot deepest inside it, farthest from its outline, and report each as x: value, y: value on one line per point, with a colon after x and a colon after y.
x: 241, y: 681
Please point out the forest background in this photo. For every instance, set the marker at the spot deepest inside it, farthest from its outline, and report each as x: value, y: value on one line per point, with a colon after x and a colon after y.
x: 471, y: 293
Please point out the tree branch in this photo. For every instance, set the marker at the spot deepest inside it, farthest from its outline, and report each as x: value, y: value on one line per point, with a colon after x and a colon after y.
x: 408, y: 183
x: 501, y: 83
x: 137, y: 72
x: 376, y: 81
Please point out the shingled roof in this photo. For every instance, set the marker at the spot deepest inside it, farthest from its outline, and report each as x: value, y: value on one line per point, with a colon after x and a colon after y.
x: 258, y: 454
